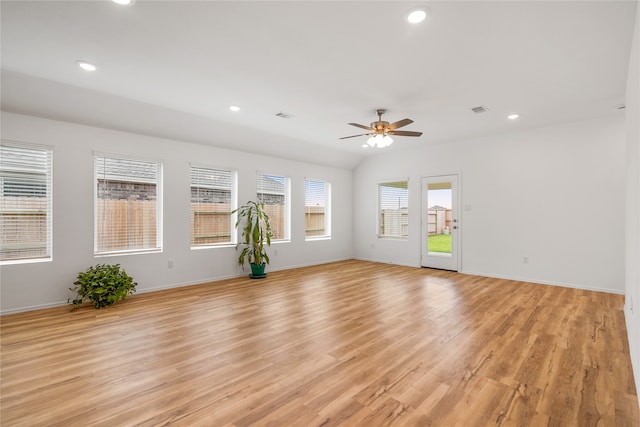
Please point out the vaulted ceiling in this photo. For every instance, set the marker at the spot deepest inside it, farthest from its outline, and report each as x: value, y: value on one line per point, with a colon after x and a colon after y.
x: 172, y: 68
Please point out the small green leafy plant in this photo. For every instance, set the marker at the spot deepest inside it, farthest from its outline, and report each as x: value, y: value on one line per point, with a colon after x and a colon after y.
x: 103, y: 284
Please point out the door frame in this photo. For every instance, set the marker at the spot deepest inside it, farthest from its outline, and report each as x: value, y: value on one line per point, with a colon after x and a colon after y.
x: 457, y: 215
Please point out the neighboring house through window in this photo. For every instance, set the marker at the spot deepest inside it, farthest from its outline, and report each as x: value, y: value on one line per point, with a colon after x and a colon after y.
x: 273, y: 191
x: 213, y: 197
x: 25, y: 202
x: 128, y: 214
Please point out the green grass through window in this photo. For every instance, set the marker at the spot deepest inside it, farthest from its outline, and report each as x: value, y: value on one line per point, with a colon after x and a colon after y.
x: 440, y: 243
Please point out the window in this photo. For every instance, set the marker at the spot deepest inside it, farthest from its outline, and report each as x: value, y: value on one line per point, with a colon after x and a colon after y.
x: 25, y: 202
x: 273, y: 191
x: 317, y: 196
x: 128, y: 206
x: 393, y: 209
x: 213, y: 197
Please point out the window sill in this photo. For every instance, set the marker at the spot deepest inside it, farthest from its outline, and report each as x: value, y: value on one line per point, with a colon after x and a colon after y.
x: 274, y: 242
x: 312, y: 239
x: 125, y: 253
x: 25, y: 261
x: 221, y: 245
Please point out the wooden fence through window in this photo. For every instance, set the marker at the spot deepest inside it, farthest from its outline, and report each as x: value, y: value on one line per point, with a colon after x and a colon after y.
x: 439, y: 221
x: 125, y: 224
x: 315, y: 221
x: 23, y: 227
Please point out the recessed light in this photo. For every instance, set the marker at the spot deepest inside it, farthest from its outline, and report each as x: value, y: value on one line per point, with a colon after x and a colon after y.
x: 234, y: 108
x: 365, y: 145
x: 123, y: 2
x: 513, y: 116
x: 86, y: 65
x: 417, y: 15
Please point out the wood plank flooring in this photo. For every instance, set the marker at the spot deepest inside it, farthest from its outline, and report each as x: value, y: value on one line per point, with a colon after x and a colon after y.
x: 344, y: 344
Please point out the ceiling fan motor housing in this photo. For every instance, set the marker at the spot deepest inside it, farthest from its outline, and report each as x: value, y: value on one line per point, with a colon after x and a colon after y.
x: 380, y: 126
x: 383, y: 128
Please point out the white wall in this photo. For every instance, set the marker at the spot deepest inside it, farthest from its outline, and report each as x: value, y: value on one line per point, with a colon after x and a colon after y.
x: 553, y: 194
x: 27, y: 286
x: 632, y: 246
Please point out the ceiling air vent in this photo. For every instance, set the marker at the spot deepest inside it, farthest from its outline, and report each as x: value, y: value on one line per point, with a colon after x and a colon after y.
x: 480, y: 109
x: 284, y: 115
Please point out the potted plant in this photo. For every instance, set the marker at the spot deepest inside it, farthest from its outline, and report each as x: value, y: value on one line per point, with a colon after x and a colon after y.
x: 103, y: 285
x: 256, y: 233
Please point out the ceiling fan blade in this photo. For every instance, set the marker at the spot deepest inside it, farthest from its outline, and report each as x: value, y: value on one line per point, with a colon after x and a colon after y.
x: 399, y: 124
x: 353, y: 136
x: 404, y: 133
x: 361, y: 126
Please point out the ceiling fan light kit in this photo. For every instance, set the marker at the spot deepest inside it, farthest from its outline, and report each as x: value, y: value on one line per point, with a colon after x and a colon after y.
x: 380, y: 131
x: 380, y: 141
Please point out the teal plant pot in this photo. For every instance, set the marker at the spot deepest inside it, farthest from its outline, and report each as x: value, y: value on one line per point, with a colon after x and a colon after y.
x: 257, y: 271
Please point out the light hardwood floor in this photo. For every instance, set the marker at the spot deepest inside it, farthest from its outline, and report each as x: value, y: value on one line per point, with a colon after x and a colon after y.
x: 348, y: 343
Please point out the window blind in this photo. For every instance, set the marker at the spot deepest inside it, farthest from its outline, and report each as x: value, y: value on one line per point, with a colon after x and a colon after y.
x: 393, y: 209
x: 316, y: 201
x: 212, y: 200
x: 128, y: 215
x: 273, y: 192
x: 25, y: 202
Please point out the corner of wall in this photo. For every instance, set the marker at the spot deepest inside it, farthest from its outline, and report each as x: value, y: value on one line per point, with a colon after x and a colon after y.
x: 632, y: 222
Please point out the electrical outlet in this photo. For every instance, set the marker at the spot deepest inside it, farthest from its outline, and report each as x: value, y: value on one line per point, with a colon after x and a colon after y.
x: 525, y: 260
x: 170, y: 263
x: 631, y: 303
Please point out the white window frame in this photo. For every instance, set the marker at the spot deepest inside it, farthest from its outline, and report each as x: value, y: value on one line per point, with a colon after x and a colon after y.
x: 379, y: 209
x: 287, y: 205
x: 48, y: 150
x: 234, y: 205
x: 159, y: 206
x: 327, y: 210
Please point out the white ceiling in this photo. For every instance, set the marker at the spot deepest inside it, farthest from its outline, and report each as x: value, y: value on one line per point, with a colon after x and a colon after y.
x: 172, y: 69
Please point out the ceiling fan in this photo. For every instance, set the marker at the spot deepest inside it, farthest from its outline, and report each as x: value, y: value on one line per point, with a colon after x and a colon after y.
x: 379, y: 131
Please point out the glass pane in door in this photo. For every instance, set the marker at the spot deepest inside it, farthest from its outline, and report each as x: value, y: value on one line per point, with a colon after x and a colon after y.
x: 439, y: 218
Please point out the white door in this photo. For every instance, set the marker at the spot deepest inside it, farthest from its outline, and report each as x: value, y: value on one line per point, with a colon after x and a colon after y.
x: 440, y: 224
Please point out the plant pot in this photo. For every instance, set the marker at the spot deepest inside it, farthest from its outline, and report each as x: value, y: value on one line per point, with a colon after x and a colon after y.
x: 257, y: 271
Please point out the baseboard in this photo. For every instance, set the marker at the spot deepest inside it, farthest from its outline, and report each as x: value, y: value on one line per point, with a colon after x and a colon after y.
x: 33, y: 307
x: 230, y: 276
x: 171, y: 286
x: 189, y: 283
x: 386, y: 262
x: 514, y: 278
x: 290, y: 267
x: 310, y: 264
x: 633, y: 349
x: 544, y: 282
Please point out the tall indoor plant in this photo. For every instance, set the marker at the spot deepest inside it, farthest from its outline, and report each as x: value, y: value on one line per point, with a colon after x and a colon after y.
x: 256, y: 233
